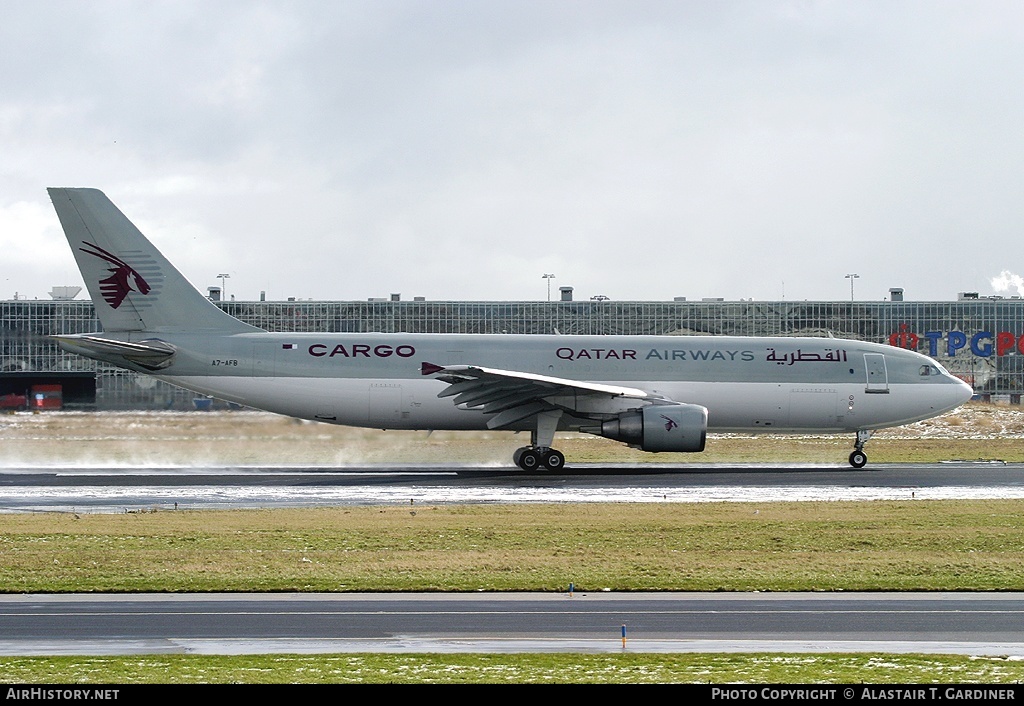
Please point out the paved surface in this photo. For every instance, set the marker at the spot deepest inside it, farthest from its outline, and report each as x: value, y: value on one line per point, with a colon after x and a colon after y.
x: 975, y: 624
x: 71, y: 489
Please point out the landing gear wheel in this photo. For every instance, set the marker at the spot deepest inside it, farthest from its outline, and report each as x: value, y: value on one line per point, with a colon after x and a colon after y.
x: 529, y: 460
x: 858, y: 458
x: 518, y: 453
x: 554, y: 460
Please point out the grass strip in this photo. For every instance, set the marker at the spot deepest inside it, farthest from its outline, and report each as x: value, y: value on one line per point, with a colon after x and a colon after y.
x: 912, y: 545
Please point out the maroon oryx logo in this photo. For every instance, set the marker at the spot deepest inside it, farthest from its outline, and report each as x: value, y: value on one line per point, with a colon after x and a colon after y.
x: 670, y: 423
x: 122, y: 276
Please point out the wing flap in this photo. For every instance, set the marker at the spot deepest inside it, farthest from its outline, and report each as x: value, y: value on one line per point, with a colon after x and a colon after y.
x: 457, y: 374
x: 512, y: 396
x: 491, y: 393
x: 516, y: 414
x: 460, y: 387
x: 508, y: 402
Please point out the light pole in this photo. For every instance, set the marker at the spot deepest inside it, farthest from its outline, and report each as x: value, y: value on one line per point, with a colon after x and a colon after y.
x: 548, y: 278
x: 851, y: 277
x: 223, y: 289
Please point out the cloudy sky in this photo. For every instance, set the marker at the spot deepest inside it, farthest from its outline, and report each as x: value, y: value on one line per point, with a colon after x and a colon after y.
x: 461, y: 149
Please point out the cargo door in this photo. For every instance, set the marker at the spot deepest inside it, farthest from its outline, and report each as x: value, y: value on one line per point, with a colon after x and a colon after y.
x: 813, y: 408
x: 385, y: 404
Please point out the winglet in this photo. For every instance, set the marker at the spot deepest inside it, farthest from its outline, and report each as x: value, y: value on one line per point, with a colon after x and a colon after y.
x: 429, y: 368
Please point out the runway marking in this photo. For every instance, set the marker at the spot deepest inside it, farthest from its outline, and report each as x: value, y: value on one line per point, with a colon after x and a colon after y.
x: 511, y: 612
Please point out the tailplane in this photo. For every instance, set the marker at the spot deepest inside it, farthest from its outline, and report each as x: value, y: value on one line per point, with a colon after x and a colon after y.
x: 133, y: 286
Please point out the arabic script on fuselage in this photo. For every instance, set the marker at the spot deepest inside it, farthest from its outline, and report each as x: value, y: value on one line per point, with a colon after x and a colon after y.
x: 828, y: 355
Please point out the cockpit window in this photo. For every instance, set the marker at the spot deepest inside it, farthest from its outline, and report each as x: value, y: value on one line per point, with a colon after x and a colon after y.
x: 929, y: 370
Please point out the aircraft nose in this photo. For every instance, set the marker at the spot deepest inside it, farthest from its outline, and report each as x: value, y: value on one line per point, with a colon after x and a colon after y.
x: 964, y: 393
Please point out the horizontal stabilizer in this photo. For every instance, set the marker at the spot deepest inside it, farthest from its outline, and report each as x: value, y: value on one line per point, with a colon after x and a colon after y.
x: 152, y: 354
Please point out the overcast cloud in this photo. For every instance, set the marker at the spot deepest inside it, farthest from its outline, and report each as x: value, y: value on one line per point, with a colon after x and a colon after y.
x: 461, y: 149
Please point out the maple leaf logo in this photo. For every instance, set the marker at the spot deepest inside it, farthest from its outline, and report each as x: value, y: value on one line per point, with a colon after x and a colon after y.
x: 123, y: 277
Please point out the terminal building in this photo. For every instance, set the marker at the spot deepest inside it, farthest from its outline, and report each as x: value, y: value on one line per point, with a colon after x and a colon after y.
x: 979, y: 339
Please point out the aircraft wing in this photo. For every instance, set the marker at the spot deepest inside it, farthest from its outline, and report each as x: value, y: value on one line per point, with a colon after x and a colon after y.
x: 511, y: 396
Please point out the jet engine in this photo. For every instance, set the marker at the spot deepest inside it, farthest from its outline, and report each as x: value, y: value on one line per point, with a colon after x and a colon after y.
x: 676, y: 427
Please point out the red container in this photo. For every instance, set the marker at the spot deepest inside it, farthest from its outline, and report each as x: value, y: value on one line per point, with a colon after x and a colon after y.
x: 47, y: 397
x: 13, y: 401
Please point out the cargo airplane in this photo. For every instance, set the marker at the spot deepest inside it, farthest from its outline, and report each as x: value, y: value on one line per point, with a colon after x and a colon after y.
x: 655, y: 393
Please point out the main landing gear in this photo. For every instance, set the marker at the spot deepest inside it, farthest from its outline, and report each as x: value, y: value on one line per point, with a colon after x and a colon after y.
x: 530, y: 458
x: 858, y: 459
x: 539, y: 452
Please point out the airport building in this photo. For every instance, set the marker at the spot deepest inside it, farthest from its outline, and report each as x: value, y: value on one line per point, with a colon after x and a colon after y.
x: 980, y: 339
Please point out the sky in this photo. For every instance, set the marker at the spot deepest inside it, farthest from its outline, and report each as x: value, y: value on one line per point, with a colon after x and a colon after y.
x: 461, y: 149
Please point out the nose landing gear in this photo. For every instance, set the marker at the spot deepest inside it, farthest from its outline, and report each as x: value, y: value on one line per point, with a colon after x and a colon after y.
x: 858, y: 459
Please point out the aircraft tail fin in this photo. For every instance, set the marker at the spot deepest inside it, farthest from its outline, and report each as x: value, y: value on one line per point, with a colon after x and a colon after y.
x: 133, y: 286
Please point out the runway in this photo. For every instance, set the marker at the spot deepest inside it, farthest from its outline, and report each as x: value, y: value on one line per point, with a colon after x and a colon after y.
x: 970, y: 623
x: 114, y: 490
x: 941, y: 623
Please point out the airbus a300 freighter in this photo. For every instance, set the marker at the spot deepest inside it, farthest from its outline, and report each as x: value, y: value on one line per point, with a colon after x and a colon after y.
x: 656, y: 393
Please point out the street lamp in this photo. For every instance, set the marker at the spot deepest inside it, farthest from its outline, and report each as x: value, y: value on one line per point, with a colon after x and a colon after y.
x: 223, y: 289
x: 548, y: 278
x: 851, y: 277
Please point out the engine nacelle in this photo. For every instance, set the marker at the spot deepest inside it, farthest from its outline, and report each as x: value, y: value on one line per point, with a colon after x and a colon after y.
x: 669, y: 427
